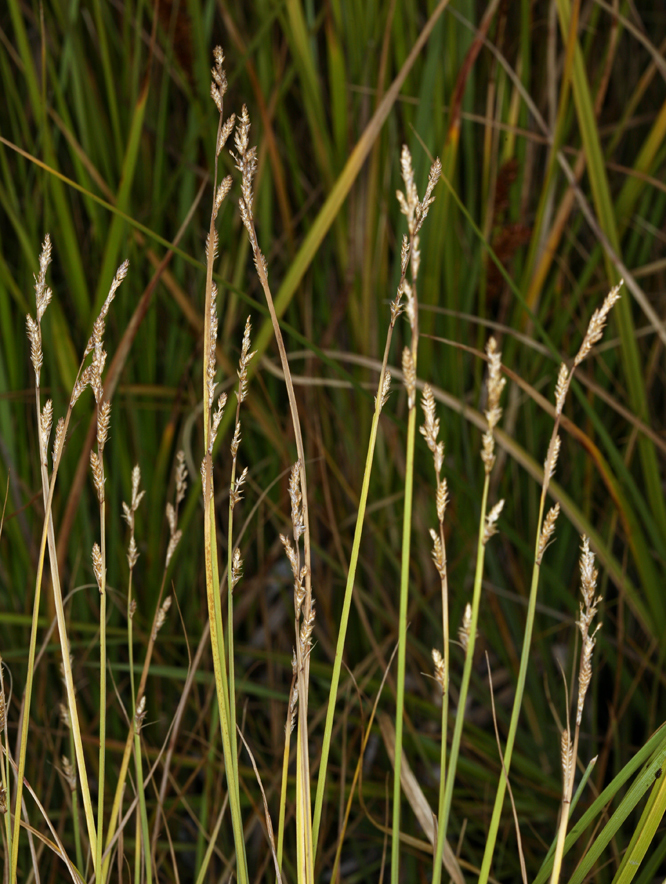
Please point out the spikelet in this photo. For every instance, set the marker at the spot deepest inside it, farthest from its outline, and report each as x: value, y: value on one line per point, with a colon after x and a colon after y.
x: 567, y: 762
x: 98, y: 566
x: 438, y: 556
x: 161, y: 616
x: 440, y: 673
x: 46, y: 422
x: 43, y: 294
x: 561, y: 388
x: 386, y: 389
x: 246, y: 356
x: 98, y: 475
x: 595, y: 328
x: 465, y: 627
x: 236, y: 440
x: 235, y: 493
x: 236, y: 567
x: 409, y: 376
x: 493, y: 411
x: 103, y: 419
x: 430, y: 429
x: 181, y: 477
x: 550, y: 463
x: 547, y: 531
x: 132, y: 553
x: 296, y: 498
x: 35, y: 338
x: 491, y: 522
x: 58, y: 439
x: 69, y: 773
x: 140, y: 714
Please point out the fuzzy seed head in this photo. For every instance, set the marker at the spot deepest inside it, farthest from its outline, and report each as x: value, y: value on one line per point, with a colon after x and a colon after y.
x: 46, y: 423
x: 236, y: 567
x: 35, y: 338
x: 491, y: 521
x: 561, y: 388
x: 98, y: 566
x: 595, y: 328
x: 465, y: 627
x: 385, y: 390
x: 409, y: 376
x: 140, y: 714
x: 440, y: 669
x: 181, y: 477
x: 58, y: 439
x: 547, y: 531
x: 98, y: 475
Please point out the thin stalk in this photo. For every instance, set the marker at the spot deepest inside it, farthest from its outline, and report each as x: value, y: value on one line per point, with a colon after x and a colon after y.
x: 285, y: 775
x: 402, y: 639
x: 445, y: 805
x: 439, y: 847
x: 349, y: 589
x: 102, y: 685
x: 145, y: 837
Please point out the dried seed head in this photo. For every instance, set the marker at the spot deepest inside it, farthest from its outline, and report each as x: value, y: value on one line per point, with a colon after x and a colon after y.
x: 409, y: 200
x: 567, y: 762
x: 58, y: 439
x: 132, y: 609
x: 235, y: 442
x: 465, y: 627
x: 223, y: 189
x: 140, y: 714
x: 132, y: 553
x: 588, y: 609
x: 430, y: 429
x: 491, y: 521
x: 550, y: 463
x: 547, y: 531
x: 305, y: 636
x: 236, y: 567
x: 161, y: 616
x: 440, y: 669
x: 442, y: 500
x: 43, y: 294
x: 561, y: 388
x: 296, y: 498
x: 64, y: 715
x: 98, y: 475
x: 95, y: 340
x: 69, y: 772
x: 493, y: 411
x: 217, y: 418
x: 235, y: 493
x: 597, y: 323
x: 103, y: 419
x: 35, y: 338
x: 225, y: 132
x: 404, y: 255
x: 438, y: 555
x: 246, y: 356
x: 173, y: 543
x: 210, y: 365
x: 181, y: 477
x: 98, y: 566
x: 46, y: 422
x: 409, y: 376
x: 385, y: 390
x: 291, y: 555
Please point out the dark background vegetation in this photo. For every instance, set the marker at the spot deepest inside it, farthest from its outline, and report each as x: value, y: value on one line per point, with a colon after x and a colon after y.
x: 114, y: 96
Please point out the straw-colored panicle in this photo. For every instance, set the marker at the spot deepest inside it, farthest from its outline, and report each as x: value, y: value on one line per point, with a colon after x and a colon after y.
x: 132, y: 553
x: 174, y: 532
x: 210, y: 366
x: 161, y: 616
x: 98, y: 566
x: 386, y: 390
x: 296, y: 499
x: 58, y: 439
x: 129, y: 511
x: 103, y: 420
x: 235, y: 492
x: 245, y: 158
x: 465, y: 627
x: 442, y: 499
x: 299, y: 574
x: 236, y: 440
x: 217, y: 417
x: 409, y: 376
x: 35, y: 338
x: 43, y: 294
x: 416, y: 211
x: 547, y: 531
x: 595, y: 328
x: 440, y: 669
x: 69, y: 773
x: 218, y: 87
x: 567, y: 762
x: 223, y: 189
x: 493, y: 411
x: 95, y: 340
x: 98, y: 475
x: 46, y: 422
x: 181, y: 478
x: 236, y: 567
x: 64, y: 715
x: 438, y: 556
x: 404, y: 255
x: 491, y: 521
x: 588, y: 609
x: 561, y: 388
x: 140, y: 714
x: 225, y: 131
x: 245, y: 358
x: 430, y: 429
x: 550, y: 463
x: 307, y: 626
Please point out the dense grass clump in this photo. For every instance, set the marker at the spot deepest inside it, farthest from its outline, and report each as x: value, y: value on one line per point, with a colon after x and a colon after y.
x: 227, y: 570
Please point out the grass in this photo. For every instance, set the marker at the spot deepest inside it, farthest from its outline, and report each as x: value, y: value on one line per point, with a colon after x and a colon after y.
x: 549, y: 121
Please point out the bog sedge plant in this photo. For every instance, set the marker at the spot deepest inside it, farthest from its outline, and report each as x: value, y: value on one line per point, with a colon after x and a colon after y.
x: 99, y: 842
